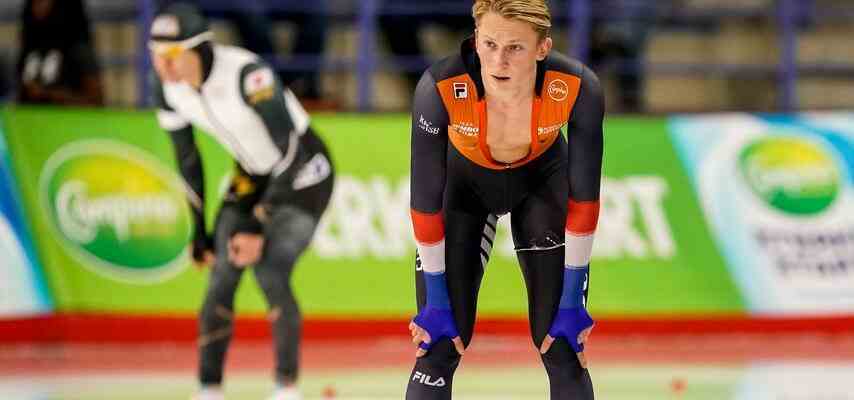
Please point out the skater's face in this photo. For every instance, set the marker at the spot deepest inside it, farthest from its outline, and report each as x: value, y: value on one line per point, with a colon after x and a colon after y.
x: 176, y: 64
x: 509, y: 50
x: 42, y: 8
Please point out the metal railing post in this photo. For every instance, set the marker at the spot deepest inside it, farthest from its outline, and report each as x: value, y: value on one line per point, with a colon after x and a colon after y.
x: 579, y: 16
x: 787, y: 69
x: 145, y: 14
x: 366, y: 59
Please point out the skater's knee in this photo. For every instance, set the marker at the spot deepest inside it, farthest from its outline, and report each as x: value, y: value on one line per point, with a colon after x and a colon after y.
x: 433, y: 374
x: 285, y: 313
x: 216, y: 314
x: 561, y: 360
x: 443, y: 355
x: 215, y: 324
x: 559, y: 352
x: 274, y: 314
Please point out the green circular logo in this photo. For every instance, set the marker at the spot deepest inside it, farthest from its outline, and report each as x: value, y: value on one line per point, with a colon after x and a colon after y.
x: 791, y: 174
x: 117, y: 209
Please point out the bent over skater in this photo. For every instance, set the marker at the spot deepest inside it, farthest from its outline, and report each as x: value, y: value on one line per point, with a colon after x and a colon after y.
x: 281, y: 186
x: 488, y: 139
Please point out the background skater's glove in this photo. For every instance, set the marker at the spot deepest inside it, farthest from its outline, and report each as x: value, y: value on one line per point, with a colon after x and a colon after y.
x: 201, y: 244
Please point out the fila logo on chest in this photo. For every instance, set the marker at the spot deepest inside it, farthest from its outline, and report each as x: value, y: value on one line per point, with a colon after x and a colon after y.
x: 461, y: 90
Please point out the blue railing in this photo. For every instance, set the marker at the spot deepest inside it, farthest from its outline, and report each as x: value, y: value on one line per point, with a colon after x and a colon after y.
x: 787, y: 75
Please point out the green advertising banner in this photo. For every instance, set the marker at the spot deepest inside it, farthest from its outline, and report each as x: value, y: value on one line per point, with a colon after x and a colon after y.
x: 111, y: 222
x: 778, y: 192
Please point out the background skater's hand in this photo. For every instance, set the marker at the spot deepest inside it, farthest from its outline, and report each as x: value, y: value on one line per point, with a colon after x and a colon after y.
x: 245, y: 249
x: 201, y: 250
x: 206, y: 258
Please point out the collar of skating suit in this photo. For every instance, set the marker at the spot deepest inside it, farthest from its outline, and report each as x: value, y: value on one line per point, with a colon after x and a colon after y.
x: 472, y: 64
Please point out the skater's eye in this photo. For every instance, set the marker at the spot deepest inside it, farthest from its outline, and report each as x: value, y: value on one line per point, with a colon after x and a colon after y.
x: 490, y: 44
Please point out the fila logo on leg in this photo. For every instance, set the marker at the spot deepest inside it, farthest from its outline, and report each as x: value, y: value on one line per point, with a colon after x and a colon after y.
x: 428, y: 380
x: 461, y: 90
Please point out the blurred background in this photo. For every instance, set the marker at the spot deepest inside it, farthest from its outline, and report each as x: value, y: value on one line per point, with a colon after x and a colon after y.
x: 724, y: 261
x: 761, y: 55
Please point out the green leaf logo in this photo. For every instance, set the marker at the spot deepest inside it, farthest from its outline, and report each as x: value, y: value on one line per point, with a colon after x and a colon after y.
x: 791, y: 174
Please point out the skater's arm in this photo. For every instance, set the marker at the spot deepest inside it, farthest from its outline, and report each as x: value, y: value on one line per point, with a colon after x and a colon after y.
x: 189, y: 162
x: 429, y: 136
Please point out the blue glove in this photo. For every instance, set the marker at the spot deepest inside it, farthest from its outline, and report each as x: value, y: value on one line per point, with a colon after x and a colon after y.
x: 572, y: 317
x: 436, y: 317
x: 438, y: 323
x: 569, y: 323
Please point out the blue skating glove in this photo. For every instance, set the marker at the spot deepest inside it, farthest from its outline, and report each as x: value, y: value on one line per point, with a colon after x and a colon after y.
x: 569, y: 323
x: 572, y: 317
x: 436, y: 317
x: 438, y: 323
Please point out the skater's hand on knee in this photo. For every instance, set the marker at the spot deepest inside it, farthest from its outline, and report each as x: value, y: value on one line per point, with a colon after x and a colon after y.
x: 201, y: 251
x: 430, y: 326
x: 572, y: 321
x: 203, y: 259
x: 245, y: 249
x: 262, y: 213
x: 574, y: 325
x: 419, y: 335
x: 208, y: 259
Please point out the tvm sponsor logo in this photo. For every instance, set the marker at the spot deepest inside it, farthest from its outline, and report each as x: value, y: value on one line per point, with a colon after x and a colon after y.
x: 543, y: 130
x: 465, y: 128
